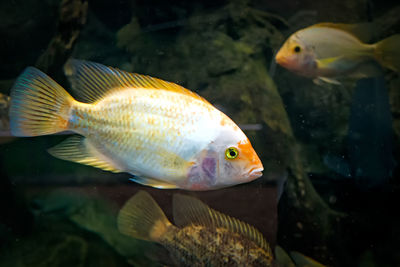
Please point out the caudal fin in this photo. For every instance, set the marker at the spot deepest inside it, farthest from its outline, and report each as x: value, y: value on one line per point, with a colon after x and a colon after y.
x: 388, y: 53
x: 142, y: 218
x: 39, y: 105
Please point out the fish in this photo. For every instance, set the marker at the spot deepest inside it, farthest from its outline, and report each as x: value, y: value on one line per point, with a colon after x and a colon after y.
x: 200, y: 236
x: 329, y: 51
x: 163, y: 134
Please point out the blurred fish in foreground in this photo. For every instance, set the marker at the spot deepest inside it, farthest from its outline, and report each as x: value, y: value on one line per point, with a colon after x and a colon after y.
x: 201, y: 237
x: 162, y: 133
x: 327, y: 51
x: 296, y: 259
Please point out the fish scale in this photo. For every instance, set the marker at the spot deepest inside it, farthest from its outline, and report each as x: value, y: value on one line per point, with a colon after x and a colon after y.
x: 197, y: 245
x: 113, y: 117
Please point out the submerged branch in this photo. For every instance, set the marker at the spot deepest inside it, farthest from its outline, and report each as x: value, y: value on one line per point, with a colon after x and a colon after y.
x: 71, y: 20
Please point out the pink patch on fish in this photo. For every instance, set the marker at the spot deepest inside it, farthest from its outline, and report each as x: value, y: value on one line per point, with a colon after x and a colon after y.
x: 203, y: 176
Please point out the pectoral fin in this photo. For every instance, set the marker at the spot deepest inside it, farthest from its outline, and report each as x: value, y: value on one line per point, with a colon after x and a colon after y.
x: 334, y: 67
x: 321, y: 80
x: 334, y: 63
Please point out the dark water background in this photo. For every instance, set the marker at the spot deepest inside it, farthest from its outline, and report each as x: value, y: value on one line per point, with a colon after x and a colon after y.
x: 338, y: 146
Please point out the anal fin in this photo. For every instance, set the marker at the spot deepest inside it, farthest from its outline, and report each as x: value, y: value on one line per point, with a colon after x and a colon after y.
x: 321, y: 80
x: 153, y: 182
x: 78, y: 149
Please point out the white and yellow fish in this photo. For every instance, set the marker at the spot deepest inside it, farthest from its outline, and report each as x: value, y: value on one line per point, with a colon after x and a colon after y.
x: 327, y: 51
x: 163, y: 134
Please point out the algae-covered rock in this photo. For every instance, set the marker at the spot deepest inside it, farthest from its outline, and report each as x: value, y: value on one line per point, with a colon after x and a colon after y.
x: 72, y: 17
x: 57, y: 243
x: 26, y: 28
x: 96, y: 216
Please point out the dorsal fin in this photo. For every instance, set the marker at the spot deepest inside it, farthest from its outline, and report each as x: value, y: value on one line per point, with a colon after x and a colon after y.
x: 365, y: 32
x: 92, y: 81
x: 188, y: 210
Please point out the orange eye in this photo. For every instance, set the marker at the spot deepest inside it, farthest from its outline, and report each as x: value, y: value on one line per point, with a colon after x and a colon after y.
x: 231, y: 153
x: 297, y: 49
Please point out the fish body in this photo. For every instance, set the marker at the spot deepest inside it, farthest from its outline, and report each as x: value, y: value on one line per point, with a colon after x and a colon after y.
x: 197, y: 245
x: 201, y: 236
x: 162, y: 133
x: 328, y: 50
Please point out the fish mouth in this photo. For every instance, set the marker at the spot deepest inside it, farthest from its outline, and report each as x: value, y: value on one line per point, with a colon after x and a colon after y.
x: 281, y: 60
x: 255, y: 173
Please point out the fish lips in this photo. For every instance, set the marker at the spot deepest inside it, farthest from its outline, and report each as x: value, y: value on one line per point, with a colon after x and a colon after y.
x: 282, y: 60
x: 256, y: 173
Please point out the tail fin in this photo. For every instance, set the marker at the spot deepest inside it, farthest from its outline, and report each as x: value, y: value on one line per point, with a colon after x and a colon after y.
x: 387, y: 52
x: 39, y: 105
x: 142, y: 218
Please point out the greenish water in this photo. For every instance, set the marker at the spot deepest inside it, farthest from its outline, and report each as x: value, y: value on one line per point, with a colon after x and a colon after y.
x: 335, y: 146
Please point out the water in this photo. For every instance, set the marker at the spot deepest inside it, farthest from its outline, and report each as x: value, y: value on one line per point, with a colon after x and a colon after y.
x: 330, y: 152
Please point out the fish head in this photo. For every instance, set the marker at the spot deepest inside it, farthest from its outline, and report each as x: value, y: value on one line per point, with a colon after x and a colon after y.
x: 228, y: 160
x: 297, y: 56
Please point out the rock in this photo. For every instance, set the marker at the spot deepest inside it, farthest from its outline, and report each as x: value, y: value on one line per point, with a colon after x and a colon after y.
x: 72, y: 17
x: 56, y: 243
x: 94, y: 215
x: 25, y: 29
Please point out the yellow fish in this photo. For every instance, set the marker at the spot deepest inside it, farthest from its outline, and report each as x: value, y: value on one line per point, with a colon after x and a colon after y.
x: 326, y: 51
x: 163, y: 134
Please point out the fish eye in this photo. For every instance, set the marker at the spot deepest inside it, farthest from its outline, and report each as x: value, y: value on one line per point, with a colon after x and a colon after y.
x: 297, y: 49
x: 231, y: 153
